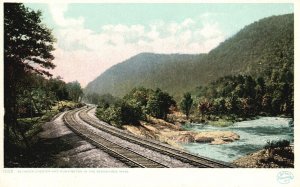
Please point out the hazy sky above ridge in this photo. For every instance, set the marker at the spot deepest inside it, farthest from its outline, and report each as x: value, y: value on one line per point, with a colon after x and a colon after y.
x: 93, y: 37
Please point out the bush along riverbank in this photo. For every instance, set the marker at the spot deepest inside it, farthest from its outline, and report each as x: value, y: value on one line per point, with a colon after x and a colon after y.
x: 276, y: 154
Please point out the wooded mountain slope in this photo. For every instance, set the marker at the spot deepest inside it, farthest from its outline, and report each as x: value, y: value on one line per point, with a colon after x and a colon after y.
x: 265, y: 44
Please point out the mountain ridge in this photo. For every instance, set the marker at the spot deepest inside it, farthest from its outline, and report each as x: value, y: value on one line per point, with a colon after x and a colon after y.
x: 256, y: 47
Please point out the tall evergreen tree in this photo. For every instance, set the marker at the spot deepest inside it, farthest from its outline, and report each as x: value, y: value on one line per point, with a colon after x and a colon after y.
x: 186, y: 104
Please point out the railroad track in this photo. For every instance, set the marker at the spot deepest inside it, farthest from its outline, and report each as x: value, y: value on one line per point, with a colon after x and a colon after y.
x: 198, y: 161
x: 125, y: 155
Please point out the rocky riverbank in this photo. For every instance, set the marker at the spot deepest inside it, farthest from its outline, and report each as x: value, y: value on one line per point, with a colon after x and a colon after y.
x: 174, y: 134
x: 277, y: 158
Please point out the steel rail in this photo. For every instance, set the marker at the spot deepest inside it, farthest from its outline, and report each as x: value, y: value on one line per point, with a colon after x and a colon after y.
x: 125, y: 155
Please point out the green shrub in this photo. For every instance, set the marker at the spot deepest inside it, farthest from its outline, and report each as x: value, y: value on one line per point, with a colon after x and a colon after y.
x: 281, y: 144
x: 159, y: 104
x: 120, y: 113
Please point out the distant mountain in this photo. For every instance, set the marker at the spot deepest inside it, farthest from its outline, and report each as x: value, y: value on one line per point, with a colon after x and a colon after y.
x: 146, y: 69
x: 260, y: 46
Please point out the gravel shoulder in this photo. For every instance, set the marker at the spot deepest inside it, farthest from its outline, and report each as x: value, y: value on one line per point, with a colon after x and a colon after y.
x: 70, y: 151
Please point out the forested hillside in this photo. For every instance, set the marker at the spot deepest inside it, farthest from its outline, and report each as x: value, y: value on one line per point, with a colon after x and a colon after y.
x: 265, y: 44
x: 260, y: 47
x: 148, y: 70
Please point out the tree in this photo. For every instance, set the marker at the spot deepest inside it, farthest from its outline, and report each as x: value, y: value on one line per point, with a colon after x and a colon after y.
x: 130, y: 114
x: 249, y: 87
x: 204, y: 107
x: 75, y: 91
x: 159, y: 104
x: 59, y: 88
x: 186, y: 104
x: 27, y: 48
x: 120, y: 113
x: 139, y: 95
x: 92, y: 98
x: 107, y: 100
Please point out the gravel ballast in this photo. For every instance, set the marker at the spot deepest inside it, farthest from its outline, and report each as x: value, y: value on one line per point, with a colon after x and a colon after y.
x: 164, y: 159
x: 77, y: 153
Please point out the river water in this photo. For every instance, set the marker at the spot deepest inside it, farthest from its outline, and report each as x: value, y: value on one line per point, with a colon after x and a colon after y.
x: 253, y: 134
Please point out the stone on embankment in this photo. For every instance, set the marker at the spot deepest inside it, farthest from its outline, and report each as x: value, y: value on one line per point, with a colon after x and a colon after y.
x: 216, y: 137
x: 185, y: 138
x: 204, y: 139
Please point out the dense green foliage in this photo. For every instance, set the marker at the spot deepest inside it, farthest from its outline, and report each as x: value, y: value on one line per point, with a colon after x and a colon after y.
x: 264, y: 45
x: 75, y: 91
x: 30, y: 98
x: 35, y: 95
x: 281, y: 144
x: 104, y: 100
x: 246, y: 96
x: 134, y: 107
x: 59, y: 88
x: 120, y: 113
x: 147, y: 70
x: 117, y: 111
x: 159, y: 104
x: 186, y: 104
x: 27, y: 49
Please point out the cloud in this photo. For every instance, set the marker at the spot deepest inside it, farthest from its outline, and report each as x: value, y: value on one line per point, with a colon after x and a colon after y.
x: 210, y: 31
x: 57, y: 11
x: 82, y: 54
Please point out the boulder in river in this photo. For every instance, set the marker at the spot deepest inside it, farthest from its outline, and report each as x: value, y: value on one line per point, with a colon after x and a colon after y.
x: 216, y: 137
x: 212, y: 137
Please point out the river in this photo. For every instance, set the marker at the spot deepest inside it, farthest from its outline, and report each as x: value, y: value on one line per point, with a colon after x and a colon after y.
x: 254, y: 135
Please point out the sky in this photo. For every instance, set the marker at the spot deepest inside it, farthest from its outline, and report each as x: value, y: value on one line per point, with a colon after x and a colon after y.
x: 90, y: 38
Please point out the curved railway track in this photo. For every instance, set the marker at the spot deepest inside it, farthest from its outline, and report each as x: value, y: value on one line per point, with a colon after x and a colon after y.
x: 125, y: 155
x: 198, y: 161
